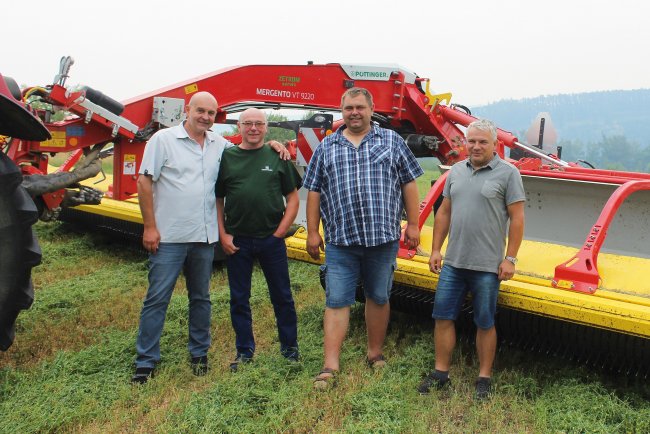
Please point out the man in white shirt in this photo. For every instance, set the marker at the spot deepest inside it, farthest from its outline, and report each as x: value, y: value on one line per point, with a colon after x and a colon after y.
x: 176, y: 192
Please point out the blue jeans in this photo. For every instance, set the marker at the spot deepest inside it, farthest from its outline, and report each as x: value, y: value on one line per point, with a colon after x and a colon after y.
x: 271, y: 252
x: 345, y: 265
x: 453, y: 286
x: 195, y: 259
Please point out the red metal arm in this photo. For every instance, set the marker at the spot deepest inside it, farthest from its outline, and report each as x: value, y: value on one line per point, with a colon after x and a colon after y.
x: 504, y: 137
x: 580, y: 273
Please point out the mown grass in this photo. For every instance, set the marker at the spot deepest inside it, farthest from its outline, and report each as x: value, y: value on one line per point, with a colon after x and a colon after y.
x: 424, y: 182
x: 69, y: 368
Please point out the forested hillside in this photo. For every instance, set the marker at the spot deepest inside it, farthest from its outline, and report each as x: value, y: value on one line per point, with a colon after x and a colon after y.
x: 609, y: 129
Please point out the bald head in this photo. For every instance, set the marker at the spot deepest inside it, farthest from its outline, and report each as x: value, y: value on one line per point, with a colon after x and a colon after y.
x: 252, y: 126
x: 201, y: 113
x: 203, y: 98
x: 252, y: 113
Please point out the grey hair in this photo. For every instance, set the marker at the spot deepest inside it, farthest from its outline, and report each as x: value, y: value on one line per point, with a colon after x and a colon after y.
x: 352, y: 92
x: 485, y: 125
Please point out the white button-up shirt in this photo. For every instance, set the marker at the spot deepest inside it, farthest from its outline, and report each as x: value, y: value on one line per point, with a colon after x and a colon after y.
x: 184, y: 176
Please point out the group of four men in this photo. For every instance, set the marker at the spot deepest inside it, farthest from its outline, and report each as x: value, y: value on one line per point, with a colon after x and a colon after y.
x: 196, y: 188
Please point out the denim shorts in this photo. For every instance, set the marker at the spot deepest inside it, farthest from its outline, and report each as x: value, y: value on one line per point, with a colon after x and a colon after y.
x: 453, y: 286
x: 345, y: 266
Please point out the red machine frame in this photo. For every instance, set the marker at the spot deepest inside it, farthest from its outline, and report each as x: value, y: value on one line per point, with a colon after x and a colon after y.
x: 401, y: 103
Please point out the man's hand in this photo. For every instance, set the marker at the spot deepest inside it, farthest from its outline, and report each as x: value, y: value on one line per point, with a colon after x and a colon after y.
x: 314, y: 244
x: 435, y: 262
x: 412, y: 236
x: 506, y: 270
x: 229, y: 248
x: 280, y: 149
x: 151, y: 239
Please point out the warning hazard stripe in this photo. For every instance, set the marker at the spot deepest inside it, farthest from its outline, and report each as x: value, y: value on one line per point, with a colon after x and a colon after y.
x: 307, y: 143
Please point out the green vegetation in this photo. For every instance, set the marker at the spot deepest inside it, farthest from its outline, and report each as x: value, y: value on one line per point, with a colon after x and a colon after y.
x: 69, y: 368
x: 424, y: 182
x: 588, y: 116
x: 280, y: 134
x: 609, y: 129
x: 614, y: 153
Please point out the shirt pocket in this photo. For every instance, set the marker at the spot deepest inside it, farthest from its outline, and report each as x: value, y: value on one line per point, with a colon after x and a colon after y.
x: 491, y: 189
x: 379, y: 155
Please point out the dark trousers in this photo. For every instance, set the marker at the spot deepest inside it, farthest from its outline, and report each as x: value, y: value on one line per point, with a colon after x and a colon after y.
x: 271, y: 253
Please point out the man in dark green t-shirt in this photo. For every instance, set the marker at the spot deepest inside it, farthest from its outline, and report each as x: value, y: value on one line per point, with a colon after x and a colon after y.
x: 252, y: 188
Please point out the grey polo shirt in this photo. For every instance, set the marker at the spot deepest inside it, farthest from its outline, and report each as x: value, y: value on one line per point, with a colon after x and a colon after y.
x: 184, y: 177
x: 479, y: 214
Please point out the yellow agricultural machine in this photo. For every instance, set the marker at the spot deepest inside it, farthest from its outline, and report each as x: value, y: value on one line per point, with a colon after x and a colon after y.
x: 582, y: 286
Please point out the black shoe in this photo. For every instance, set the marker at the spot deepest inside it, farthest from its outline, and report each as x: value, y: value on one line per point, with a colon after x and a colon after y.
x: 483, y: 388
x: 200, y: 366
x: 142, y: 375
x: 433, y: 380
x: 239, y: 359
x: 291, y: 354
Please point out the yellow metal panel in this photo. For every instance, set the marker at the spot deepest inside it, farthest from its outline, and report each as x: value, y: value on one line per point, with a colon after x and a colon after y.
x: 626, y: 311
x: 116, y: 209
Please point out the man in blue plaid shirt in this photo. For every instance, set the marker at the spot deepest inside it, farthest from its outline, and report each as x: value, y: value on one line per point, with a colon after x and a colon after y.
x: 359, y: 180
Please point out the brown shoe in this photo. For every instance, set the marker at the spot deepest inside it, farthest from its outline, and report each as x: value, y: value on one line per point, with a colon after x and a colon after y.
x: 326, y: 379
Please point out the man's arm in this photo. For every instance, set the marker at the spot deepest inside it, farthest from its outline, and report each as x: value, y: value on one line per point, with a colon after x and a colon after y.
x: 225, y: 238
x: 411, y: 205
x: 440, y: 231
x: 280, y: 149
x: 515, y: 236
x: 290, y: 213
x: 150, y: 236
x: 314, y: 240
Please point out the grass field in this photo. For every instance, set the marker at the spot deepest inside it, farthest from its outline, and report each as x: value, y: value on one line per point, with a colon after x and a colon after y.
x: 69, y: 368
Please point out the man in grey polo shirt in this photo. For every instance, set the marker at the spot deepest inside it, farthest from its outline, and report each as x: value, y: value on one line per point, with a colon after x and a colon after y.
x: 483, y: 200
x: 176, y: 192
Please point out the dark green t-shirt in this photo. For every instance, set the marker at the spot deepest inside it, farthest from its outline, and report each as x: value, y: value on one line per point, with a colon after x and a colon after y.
x: 254, y: 183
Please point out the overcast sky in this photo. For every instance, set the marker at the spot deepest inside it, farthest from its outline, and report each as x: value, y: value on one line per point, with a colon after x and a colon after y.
x: 481, y: 51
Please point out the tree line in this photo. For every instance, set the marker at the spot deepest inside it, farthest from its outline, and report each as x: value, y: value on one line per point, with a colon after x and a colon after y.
x: 615, y: 152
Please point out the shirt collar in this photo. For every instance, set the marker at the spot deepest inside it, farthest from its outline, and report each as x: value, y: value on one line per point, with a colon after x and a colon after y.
x: 374, y: 130
x: 494, y: 162
x: 181, y: 133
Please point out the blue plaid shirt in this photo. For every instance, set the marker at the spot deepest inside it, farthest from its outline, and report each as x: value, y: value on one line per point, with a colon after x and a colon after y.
x: 361, y: 196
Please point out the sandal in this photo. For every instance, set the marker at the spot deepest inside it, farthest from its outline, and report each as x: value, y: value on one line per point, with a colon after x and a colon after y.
x: 326, y: 379
x: 377, y: 362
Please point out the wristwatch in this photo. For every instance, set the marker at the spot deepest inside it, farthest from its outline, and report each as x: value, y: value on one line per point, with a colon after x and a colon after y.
x: 511, y: 259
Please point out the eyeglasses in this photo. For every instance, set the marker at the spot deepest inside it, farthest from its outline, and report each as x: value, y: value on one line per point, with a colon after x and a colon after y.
x: 249, y: 124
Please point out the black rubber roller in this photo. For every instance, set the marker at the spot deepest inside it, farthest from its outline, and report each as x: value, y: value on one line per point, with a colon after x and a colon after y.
x: 104, y: 101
